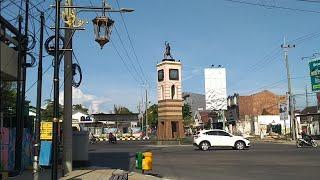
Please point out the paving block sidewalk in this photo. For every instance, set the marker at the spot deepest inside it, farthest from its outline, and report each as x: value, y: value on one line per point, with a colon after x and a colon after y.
x: 84, y: 174
x: 101, y: 174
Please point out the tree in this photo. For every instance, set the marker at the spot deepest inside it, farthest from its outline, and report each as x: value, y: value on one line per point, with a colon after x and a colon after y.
x: 186, y: 114
x: 8, y: 96
x: 121, y: 110
x: 153, y: 115
x: 79, y: 107
x: 47, y: 113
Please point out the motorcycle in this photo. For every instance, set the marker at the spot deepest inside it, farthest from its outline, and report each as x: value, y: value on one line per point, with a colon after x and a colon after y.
x: 306, y: 143
x: 93, y: 140
x: 112, y: 139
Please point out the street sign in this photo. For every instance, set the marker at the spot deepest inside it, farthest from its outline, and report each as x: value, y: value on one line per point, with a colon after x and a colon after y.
x: 315, y: 74
x: 46, y: 131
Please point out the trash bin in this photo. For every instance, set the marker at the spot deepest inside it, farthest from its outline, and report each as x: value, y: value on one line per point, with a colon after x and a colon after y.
x: 139, y: 157
x: 80, y: 143
x: 147, y: 161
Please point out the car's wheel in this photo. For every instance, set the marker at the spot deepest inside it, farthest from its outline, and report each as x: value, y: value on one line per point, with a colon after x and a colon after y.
x: 205, y: 145
x: 239, y: 145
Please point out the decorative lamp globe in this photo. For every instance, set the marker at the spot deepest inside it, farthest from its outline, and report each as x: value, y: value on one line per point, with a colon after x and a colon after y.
x: 102, y: 29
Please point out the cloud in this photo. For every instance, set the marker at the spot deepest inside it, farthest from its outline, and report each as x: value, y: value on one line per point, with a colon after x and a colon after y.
x: 93, y: 102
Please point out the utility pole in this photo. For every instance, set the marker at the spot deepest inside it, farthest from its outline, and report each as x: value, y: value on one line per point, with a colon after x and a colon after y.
x: 18, y: 144
x: 54, y: 172
x: 67, y: 115
x: 24, y: 74
x: 307, y: 102
x: 285, y: 47
x: 38, y: 111
x: 146, y: 112
x: 223, y: 120
x: 142, y: 118
x: 22, y: 93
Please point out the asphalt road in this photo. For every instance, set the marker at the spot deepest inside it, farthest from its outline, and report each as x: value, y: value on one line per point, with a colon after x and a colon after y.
x: 261, y: 161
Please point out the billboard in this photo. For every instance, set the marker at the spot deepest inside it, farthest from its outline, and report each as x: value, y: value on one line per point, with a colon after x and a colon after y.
x: 315, y: 74
x: 215, y: 88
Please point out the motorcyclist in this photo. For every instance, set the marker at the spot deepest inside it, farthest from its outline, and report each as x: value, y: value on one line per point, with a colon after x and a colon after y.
x: 112, y: 138
x: 306, y: 137
x: 92, y: 138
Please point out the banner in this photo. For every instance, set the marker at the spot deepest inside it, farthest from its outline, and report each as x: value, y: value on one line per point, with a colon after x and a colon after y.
x: 283, y: 111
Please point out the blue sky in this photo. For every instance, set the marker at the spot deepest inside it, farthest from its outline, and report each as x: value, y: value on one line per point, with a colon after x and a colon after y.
x: 240, y: 37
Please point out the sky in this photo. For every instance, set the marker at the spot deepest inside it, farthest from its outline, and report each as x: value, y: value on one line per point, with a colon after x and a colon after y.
x: 243, y: 38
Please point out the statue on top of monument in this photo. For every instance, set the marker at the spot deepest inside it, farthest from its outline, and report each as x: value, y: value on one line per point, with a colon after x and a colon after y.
x: 167, y: 53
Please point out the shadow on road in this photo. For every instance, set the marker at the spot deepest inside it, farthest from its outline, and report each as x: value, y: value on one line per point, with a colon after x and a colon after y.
x: 114, y: 160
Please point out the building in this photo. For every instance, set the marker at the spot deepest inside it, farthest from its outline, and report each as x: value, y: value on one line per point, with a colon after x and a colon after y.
x: 170, y: 121
x: 244, y: 112
x: 122, y: 122
x: 310, y: 123
x: 196, y: 101
x: 16, y: 125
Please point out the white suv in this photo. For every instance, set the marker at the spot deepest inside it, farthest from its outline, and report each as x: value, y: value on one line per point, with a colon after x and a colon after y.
x: 219, y: 138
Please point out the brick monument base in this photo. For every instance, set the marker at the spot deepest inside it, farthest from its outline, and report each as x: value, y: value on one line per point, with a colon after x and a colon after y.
x: 170, y: 121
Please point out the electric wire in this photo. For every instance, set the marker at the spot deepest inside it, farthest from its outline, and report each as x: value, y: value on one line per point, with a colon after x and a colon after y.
x: 125, y: 64
x: 128, y: 35
x: 127, y: 53
x: 272, y: 6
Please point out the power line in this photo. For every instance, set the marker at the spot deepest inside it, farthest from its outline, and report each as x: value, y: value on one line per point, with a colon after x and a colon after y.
x: 133, y: 49
x: 273, y: 6
x: 311, y: 1
x: 271, y: 57
x: 125, y: 64
x: 127, y: 54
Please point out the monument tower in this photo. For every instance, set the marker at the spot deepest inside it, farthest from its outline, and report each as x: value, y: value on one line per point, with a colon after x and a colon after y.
x: 170, y: 122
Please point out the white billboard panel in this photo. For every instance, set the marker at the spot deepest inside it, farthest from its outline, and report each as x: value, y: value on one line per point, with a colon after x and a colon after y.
x: 215, y: 88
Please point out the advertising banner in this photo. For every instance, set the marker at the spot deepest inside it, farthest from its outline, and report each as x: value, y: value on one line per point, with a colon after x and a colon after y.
x: 283, y: 111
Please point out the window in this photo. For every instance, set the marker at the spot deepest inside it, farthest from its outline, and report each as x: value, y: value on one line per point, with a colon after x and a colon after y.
x: 212, y: 133
x: 160, y: 75
x: 82, y: 118
x: 222, y: 133
x: 173, y: 91
x: 173, y: 74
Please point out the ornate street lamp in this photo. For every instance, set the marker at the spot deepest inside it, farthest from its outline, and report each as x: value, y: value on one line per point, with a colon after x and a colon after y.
x: 103, y: 26
x: 102, y: 29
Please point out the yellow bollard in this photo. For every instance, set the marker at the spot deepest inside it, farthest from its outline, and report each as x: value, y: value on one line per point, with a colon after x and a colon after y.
x: 147, y: 161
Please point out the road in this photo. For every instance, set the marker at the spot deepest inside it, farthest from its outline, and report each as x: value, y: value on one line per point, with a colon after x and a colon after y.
x: 261, y: 161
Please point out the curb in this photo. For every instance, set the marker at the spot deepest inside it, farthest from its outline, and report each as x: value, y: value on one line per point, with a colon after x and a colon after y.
x: 273, y: 141
x: 125, y: 139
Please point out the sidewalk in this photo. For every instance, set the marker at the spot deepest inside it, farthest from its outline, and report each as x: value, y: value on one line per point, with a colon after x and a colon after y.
x: 85, y: 174
x: 93, y: 174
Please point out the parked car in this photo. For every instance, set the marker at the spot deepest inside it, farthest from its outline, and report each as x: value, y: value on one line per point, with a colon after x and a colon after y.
x: 219, y: 138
